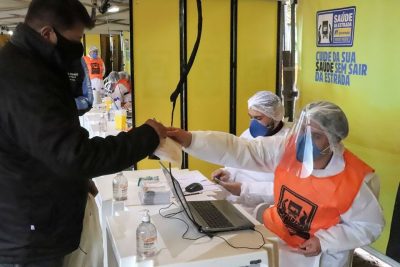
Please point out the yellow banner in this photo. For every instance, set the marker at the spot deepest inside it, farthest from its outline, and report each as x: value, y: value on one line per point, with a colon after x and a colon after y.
x: 352, y: 61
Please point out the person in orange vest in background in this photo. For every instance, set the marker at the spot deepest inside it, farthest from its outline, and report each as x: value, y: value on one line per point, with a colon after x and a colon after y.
x: 96, y: 70
x: 325, y: 197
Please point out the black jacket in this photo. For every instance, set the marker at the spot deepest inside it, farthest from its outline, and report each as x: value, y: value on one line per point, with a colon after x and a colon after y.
x: 45, y: 156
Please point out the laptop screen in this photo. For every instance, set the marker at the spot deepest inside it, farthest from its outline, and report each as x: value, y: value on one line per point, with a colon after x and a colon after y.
x: 177, y: 191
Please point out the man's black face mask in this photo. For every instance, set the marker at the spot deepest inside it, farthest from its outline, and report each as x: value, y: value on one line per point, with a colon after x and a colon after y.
x: 69, y: 51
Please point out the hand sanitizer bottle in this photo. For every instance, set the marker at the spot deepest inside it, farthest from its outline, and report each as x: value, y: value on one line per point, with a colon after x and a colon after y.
x: 120, y: 194
x: 146, y: 238
x: 103, y: 125
x: 120, y: 187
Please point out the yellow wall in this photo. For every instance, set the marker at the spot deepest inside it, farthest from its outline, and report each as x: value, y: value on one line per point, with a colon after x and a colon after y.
x: 257, y: 50
x: 371, y: 102
x: 208, y: 82
x: 92, y: 39
x: 156, y: 60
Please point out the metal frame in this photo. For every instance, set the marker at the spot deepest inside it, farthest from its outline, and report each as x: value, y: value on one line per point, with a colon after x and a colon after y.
x: 233, y: 68
x: 183, y: 62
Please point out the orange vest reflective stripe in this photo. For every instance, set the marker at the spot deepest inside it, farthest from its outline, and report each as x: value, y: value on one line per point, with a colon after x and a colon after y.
x: 125, y: 83
x: 95, y: 67
x: 304, y: 206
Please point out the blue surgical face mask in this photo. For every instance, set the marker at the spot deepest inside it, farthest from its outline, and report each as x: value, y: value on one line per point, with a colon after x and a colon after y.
x: 258, y: 129
x: 94, y: 55
x: 300, y: 147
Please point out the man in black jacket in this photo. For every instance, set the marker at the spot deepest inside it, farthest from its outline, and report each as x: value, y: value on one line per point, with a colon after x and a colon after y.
x: 46, y: 158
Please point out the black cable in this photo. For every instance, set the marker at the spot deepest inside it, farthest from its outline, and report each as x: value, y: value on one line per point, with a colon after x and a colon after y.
x: 183, y: 202
x: 263, y: 240
x: 188, y: 66
x: 171, y: 216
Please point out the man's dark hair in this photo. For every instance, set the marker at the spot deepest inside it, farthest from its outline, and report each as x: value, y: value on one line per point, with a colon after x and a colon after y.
x: 61, y: 14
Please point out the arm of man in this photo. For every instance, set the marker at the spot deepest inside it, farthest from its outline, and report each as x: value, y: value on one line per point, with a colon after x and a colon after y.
x: 46, y: 128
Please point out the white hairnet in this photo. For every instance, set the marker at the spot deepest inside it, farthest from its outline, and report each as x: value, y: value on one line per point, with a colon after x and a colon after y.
x: 113, y: 77
x: 301, y: 150
x: 93, y: 48
x: 330, y: 118
x: 268, y: 104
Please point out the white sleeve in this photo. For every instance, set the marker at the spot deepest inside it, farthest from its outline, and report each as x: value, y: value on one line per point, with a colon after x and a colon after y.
x: 117, y: 93
x: 374, y: 183
x: 254, y: 193
x: 260, y: 154
x: 232, y: 173
x: 360, y: 225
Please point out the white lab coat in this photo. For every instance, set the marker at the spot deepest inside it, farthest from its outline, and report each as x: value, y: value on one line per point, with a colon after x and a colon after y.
x: 121, y: 94
x: 257, y: 187
x: 98, y: 84
x: 359, y: 226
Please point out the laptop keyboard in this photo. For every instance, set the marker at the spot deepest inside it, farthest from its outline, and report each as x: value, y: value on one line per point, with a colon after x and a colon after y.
x: 213, y: 217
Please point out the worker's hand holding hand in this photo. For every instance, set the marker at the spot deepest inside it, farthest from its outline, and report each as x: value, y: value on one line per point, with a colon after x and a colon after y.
x: 310, y: 248
x: 184, y: 138
x: 234, y: 188
x: 158, y: 127
x: 220, y: 175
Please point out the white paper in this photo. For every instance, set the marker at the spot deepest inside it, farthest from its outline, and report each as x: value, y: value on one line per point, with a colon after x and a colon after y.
x: 169, y: 150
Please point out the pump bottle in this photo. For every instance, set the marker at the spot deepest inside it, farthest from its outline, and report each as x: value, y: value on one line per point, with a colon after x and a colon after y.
x: 146, y: 238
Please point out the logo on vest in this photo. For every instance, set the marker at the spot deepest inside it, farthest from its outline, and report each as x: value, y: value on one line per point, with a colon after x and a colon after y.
x: 296, y: 212
x: 95, y: 68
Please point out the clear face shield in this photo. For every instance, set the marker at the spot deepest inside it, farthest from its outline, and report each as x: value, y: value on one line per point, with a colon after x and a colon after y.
x: 306, y: 143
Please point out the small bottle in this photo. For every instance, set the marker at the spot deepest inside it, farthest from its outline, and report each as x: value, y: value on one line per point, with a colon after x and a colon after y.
x: 120, y: 187
x: 146, y: 238
x: 103, y: 125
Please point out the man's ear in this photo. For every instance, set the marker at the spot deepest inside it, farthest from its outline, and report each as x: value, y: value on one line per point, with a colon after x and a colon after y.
x: 47, y: 32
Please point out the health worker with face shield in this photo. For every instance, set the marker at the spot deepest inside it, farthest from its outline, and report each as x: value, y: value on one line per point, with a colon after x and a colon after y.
x: 251, y: 188
x: 119, y: 93
x: 96, y: 70
x: 325, y: 197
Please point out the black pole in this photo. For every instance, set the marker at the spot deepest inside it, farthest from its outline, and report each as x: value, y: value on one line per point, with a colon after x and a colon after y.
x: 131, y: 63
x: 183, y: 62
x: 84, y: 44
x: 280, y: 38
x: 132, y: 67
x: 233, y: 68
x: 289, y: 91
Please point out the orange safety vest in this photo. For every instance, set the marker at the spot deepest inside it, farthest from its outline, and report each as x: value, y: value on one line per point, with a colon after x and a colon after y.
x: 306, y: 205
x: 95, y: 67
x: 125, y: 83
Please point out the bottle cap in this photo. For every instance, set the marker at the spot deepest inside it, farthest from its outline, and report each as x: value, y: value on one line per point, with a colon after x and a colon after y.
x: 146, y: 216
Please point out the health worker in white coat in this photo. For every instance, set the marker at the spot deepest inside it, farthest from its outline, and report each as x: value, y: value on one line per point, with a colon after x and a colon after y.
x: 325, y: 197
x: 251, y: 188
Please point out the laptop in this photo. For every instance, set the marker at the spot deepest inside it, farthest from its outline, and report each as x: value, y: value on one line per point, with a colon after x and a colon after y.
x: 211, y: 216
